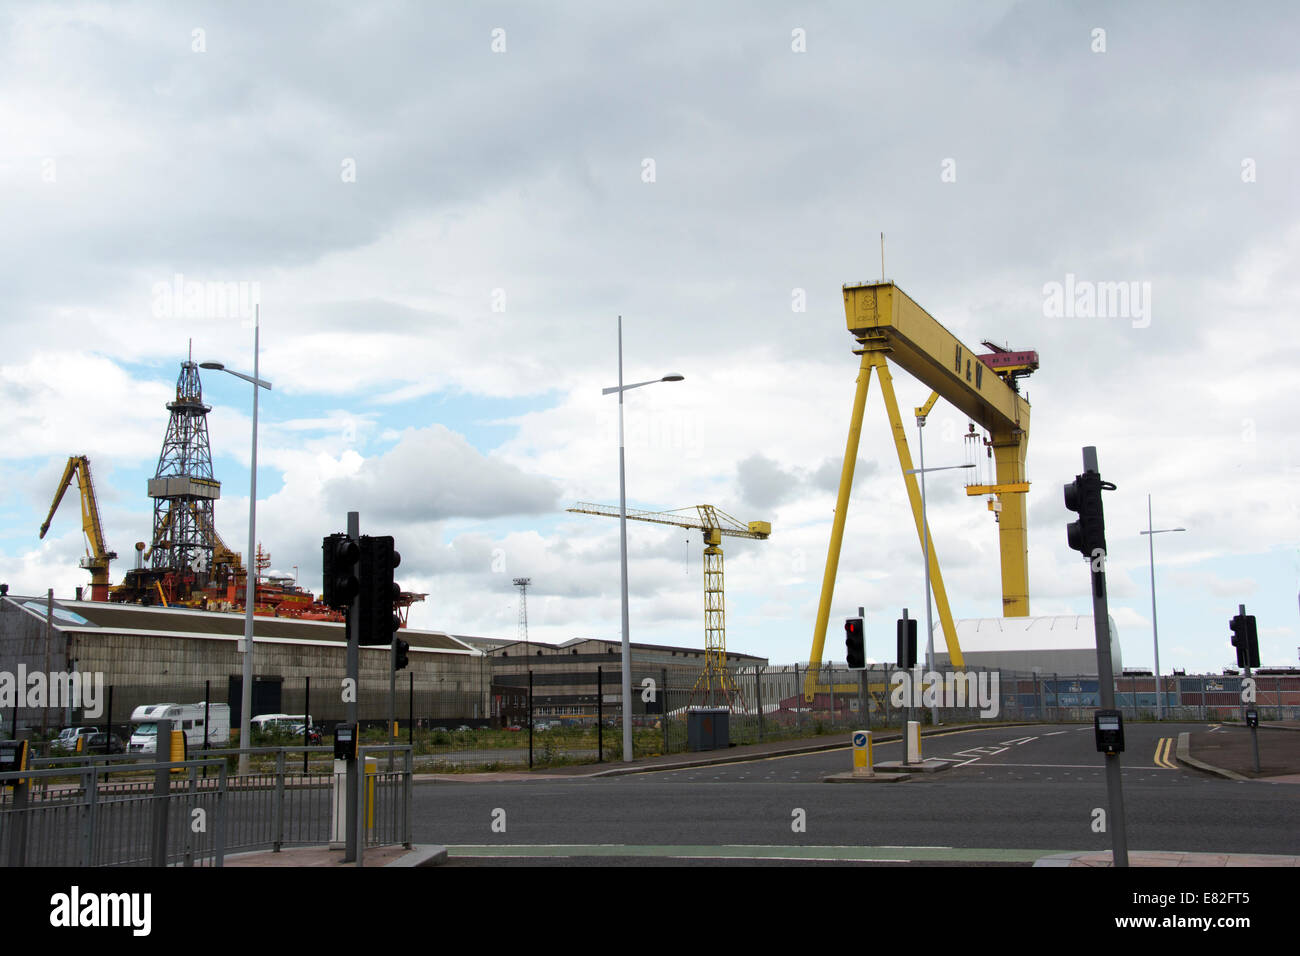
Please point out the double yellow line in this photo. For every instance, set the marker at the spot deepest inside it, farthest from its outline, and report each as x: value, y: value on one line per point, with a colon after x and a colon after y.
x: 1163, y: 746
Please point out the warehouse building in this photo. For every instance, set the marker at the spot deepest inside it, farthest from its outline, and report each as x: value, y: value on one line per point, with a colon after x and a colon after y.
x: 152, y: 655
x: 1063, y: 644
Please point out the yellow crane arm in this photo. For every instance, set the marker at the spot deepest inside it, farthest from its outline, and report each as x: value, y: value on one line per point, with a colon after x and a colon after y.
x: 79, y: 466
x: 710, y: 519
x: 90, y: 522
x: 66, y: 480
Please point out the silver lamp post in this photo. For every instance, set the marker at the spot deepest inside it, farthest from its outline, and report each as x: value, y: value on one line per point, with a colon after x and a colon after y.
x: 925, y: 536
x: 622, y: 534
x: 1155, y: 637
x: 250, y: 577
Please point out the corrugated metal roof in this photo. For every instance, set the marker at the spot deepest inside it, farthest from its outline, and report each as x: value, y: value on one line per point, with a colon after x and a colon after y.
x: 132, y: 618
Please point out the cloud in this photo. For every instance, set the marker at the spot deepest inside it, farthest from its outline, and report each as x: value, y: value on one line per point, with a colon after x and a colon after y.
x: 433, y: 474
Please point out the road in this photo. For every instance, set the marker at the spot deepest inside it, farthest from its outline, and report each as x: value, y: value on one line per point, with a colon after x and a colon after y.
x: 1018, y: 794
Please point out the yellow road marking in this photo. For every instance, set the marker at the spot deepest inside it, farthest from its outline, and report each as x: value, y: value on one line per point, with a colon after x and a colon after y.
x: 1163, y: 747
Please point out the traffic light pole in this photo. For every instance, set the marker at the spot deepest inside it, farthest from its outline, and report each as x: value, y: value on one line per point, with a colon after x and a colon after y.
x: 354, y: 660
x: 907, y: 719
x: 392, y: 697
x: 1106, y: 678
x: 1254, y: 730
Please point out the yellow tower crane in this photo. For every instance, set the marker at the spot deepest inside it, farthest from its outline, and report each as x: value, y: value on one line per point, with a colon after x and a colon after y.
x: 715, y: 524
x: 887, y: 324
x: 98, y: 556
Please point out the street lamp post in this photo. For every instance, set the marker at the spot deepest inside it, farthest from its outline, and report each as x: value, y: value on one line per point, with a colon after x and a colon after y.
x: 925, y: 537
x: 250, y: 563
x: 622, y: 535
x: 1155, y: 637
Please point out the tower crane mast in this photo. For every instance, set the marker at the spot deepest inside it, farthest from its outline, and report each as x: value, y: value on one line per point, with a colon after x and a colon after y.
x: 714, y: 680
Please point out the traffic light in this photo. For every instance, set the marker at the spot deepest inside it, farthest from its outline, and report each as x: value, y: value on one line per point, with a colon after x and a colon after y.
x: 853, y: 641
x: 401, y: 658
x: 339, y: 582
x: 1245, y: 640
x: 1088, y: 534
x: 379, y: 593
x: 907, y: 642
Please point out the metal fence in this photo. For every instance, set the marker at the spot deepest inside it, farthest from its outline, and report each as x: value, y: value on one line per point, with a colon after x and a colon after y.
x: 570, y: 712
x: 117, y: 811
x: 163, y: 814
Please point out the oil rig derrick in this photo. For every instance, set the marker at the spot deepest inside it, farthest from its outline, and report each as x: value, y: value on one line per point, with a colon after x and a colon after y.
x: 183, y: 488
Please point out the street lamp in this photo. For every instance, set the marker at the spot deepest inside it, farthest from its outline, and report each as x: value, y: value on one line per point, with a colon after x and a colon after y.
x: 622, y: 534
x: 925, y: 534
x: 1151, y: 549
x: 250, y: 567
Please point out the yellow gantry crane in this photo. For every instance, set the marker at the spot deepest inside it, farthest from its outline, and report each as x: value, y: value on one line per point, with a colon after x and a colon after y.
x: 713, y: 682
x: 887, y: 324
x: 98, y: 556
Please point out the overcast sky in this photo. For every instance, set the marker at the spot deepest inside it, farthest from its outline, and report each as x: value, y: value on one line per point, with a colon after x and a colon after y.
x: 443, y: 207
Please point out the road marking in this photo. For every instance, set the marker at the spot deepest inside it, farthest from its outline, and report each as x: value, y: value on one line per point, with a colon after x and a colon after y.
x: 1163, y: 746
x: 1017, y: 741
x: 1055, y: 732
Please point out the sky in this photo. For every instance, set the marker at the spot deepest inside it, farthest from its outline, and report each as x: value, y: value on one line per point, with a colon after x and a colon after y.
x: 441, y: 210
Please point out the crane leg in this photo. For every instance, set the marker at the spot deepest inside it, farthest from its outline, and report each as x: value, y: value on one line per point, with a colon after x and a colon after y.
x: 837, y: 528
x: 1009, y: 455
x: 914, y: 497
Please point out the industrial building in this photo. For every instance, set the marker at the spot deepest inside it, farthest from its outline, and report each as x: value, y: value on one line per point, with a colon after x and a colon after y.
x: 177, y: 655
x: 1063, y: 644
x: 565, y: 677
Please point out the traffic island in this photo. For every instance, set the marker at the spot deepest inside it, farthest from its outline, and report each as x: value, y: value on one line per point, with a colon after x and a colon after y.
x: 929, y: 765
x: 867, y: 778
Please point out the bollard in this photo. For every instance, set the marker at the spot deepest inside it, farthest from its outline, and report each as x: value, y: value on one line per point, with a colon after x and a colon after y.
x: 863, y: 764
x: 913, y: 741
x: 339, y: 817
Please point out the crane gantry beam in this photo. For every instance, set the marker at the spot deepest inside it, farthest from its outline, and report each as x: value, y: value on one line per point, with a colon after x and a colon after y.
x: 887, y: 324
x: 714, y: 524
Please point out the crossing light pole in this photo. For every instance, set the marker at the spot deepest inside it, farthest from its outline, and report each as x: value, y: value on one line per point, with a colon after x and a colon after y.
x: 1088, y: 536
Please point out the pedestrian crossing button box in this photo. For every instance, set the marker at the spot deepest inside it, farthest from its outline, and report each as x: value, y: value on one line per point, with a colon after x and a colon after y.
x: 1252, y: 718
x: 345, y: 742
x: 1108, y: 725
x: 13, y: 756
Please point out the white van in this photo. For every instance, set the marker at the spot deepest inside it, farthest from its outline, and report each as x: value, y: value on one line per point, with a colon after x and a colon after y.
x: 280, y: 722
x: 187, y: 717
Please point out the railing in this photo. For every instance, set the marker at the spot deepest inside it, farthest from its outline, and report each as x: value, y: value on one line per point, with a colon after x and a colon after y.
x: 79, y: 816
x: 109, y: 811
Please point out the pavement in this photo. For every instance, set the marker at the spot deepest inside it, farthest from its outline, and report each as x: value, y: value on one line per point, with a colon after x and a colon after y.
x: 1228, y: 751
x: 1225, y: 750
x: 394, y: 856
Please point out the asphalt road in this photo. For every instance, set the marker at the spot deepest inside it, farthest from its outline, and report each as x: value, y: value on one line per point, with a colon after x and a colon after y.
x: 1019, y: 793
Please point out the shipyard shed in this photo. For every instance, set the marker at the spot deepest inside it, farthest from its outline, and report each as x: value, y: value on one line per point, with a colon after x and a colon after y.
x: 1061, y: 644
x: 177, y: 655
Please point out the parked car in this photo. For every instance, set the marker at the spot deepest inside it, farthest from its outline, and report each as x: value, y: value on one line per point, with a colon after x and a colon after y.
x: 67, y: 739
x: 103, y: 743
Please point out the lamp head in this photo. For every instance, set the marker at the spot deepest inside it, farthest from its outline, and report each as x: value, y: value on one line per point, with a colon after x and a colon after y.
x: 213, y: 365
x: 674, y: 377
